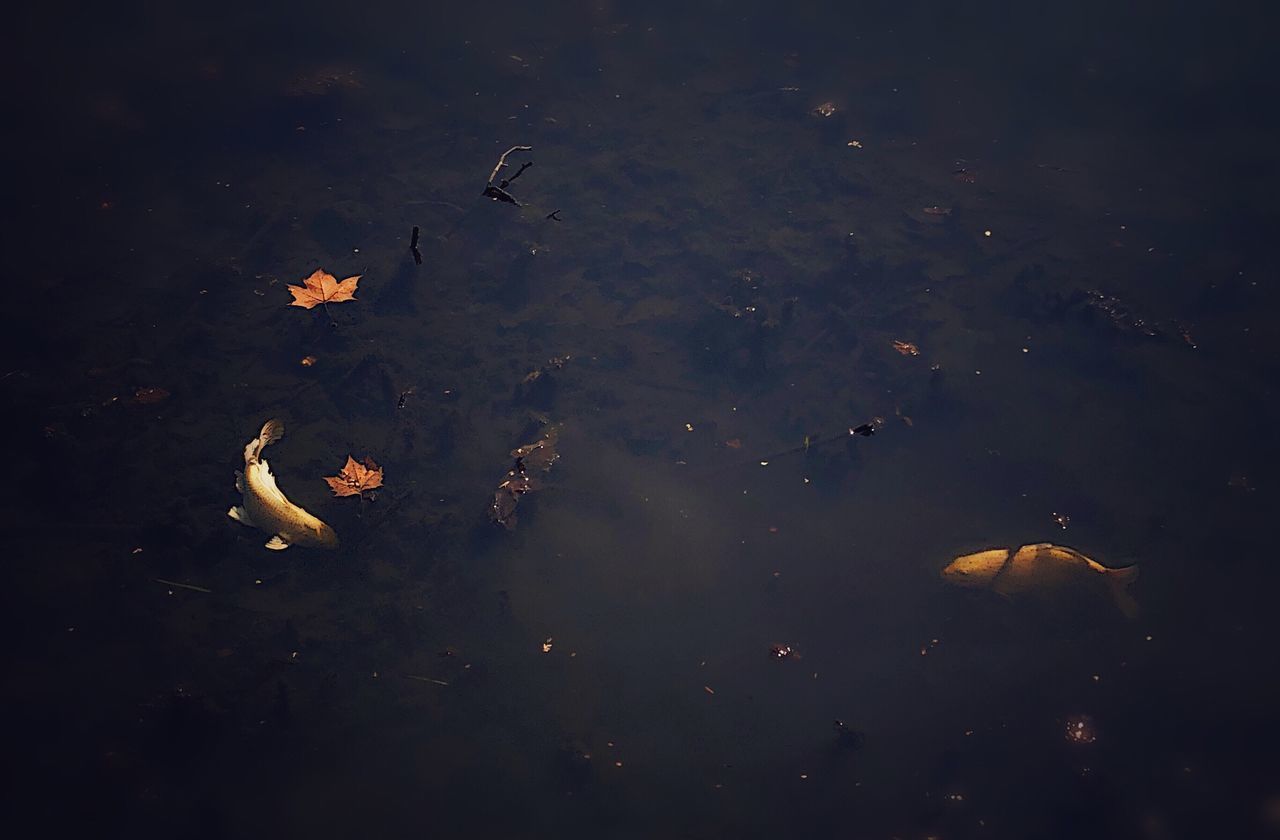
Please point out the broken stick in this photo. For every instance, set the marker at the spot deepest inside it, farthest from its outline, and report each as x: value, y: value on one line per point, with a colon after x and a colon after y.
x: 498, y: 191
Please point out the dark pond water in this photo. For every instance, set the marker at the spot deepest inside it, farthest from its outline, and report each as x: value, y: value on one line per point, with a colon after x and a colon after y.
x: 1062, y: 215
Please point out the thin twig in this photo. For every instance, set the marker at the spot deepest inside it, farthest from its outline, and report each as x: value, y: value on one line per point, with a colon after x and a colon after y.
x: 424, y: 679
x: 413, y: 246
x: 190, y: 586
x: 502, y: 161
x: 498, y: 192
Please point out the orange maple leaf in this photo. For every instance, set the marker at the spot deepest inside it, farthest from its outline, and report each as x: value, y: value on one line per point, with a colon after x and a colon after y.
x: 355, y: 478
x: 323, y: 288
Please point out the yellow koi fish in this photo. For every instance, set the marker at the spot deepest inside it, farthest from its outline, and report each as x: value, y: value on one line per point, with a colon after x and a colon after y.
x: 1041, y: 567
x: 266, y: 508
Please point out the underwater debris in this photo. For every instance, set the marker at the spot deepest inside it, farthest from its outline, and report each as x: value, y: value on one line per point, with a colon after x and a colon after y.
x: 1120, y: 315
x: 538, y: 386
x: 531, y: 460
x: 1240, y: 481
x: 935, y: 210
x: 149, y: 396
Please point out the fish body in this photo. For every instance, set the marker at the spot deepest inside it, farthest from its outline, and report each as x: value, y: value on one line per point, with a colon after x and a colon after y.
x: 1041, y: 568
x: 266, y: 508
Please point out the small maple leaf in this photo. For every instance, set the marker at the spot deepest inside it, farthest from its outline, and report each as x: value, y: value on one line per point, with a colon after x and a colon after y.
x: 355, y: 478
x: 323, y: 288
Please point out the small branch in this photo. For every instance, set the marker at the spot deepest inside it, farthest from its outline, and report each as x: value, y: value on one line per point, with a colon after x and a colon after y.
x: 502, y: 161
x: 555, y: 214
x: 413, y: 246
x: 506, y: 182
x: 498, y: 192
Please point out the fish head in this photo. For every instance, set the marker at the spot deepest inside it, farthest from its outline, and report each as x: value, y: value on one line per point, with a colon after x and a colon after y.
x: 326, y: 536
x: 978, y: 569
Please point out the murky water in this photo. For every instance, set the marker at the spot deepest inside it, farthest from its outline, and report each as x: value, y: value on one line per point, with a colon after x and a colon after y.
x: 1062, y: 216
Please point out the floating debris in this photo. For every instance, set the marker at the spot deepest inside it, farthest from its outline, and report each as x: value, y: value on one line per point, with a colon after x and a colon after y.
x: 935, y: 210
x: 1240, y: 481
x: 781, y: 651
x: 1185, y: 332
x: 865, y: 430
x: 307, y: 361
x: 546, y: 645
x: 826, y: 109
x: 1080, y: 730
x: 906, y: 348
x: 323, y: 81
x: 149, y: 396
x: 854, y: 144
x: 1062, y: 519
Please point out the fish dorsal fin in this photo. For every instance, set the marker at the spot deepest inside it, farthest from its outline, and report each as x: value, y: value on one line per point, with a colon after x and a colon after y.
x: 267, y: 484
x: 277, y: 543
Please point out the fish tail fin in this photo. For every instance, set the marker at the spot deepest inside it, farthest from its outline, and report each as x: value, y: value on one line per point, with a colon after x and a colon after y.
x: 272, y: 431
x: 1120, y: 580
